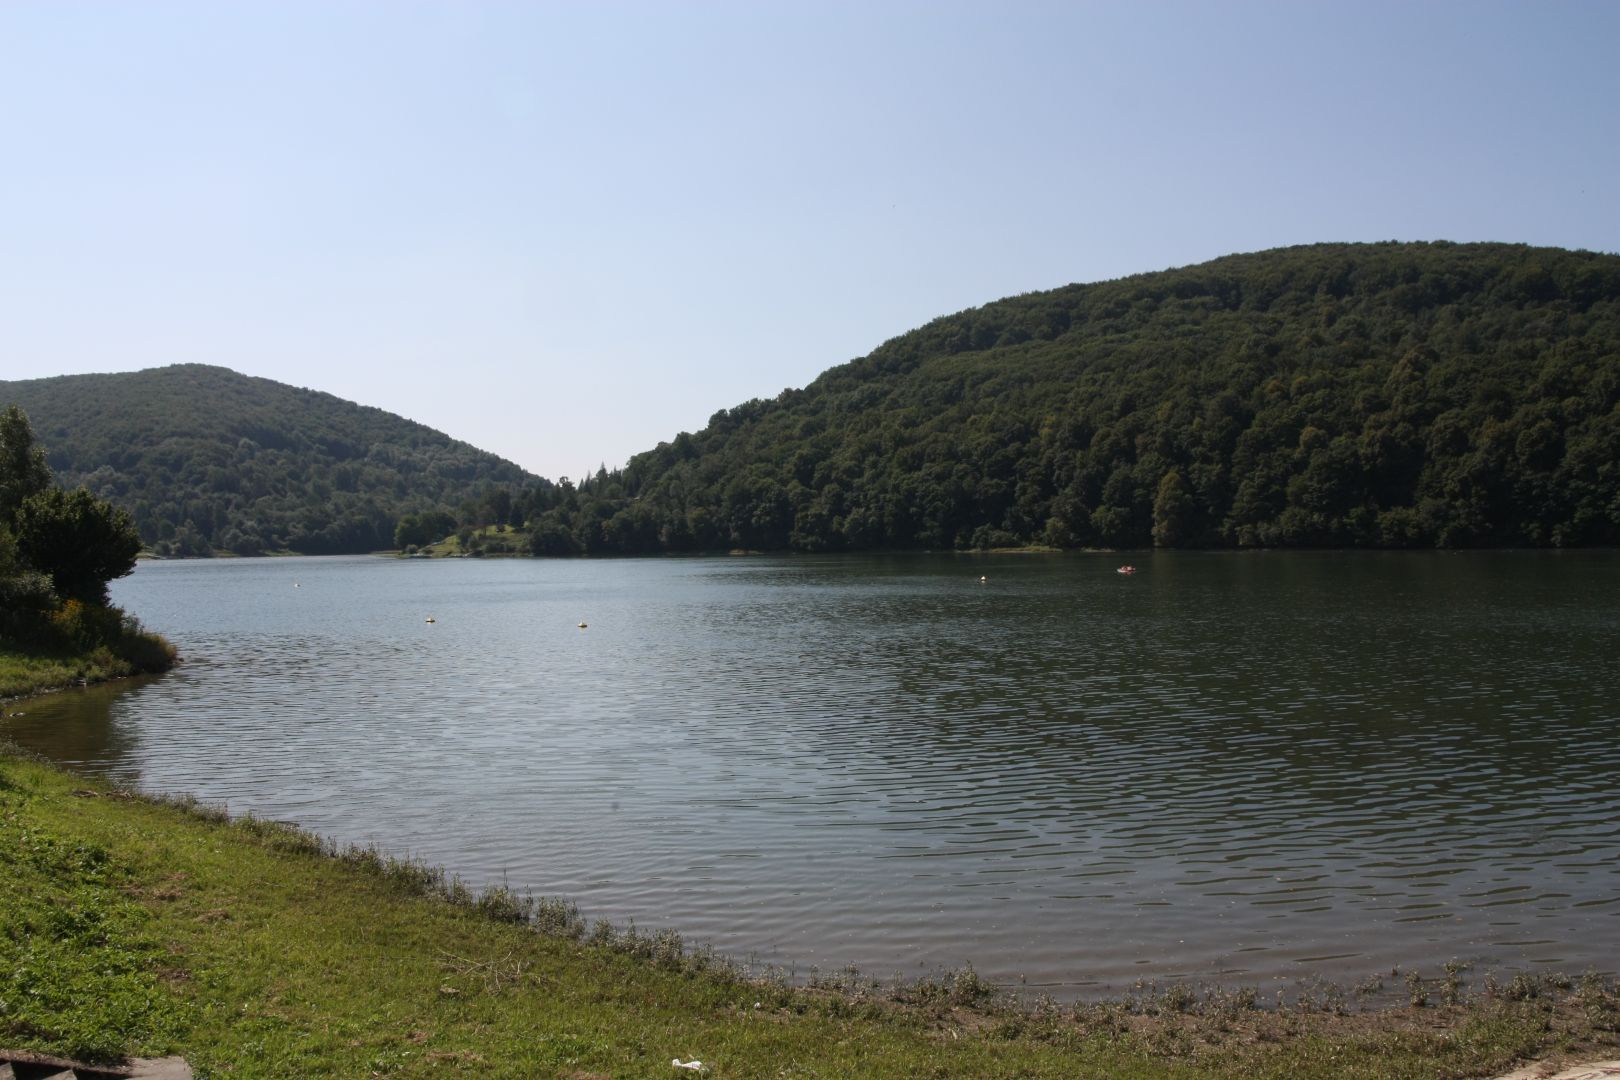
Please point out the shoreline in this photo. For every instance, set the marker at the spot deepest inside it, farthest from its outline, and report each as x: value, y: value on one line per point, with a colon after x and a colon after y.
x: 447, y: 550
x: 332, y: 961
x: 1366, y: 989
x: 25, y: 674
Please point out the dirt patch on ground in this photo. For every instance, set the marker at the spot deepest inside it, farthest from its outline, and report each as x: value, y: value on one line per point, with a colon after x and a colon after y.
x: 1555, y: 1070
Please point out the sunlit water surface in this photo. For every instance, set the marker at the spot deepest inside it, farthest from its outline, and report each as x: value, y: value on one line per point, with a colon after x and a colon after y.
x: 1231, y: 768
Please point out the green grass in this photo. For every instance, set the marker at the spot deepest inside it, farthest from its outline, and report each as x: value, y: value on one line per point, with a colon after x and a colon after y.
x: 491, y: 540
x: 80, y: 965
x: 23, y: 673
x: 133, y: 926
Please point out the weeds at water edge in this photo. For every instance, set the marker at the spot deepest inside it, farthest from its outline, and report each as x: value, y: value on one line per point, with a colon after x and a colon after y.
x: 1218, y: 1010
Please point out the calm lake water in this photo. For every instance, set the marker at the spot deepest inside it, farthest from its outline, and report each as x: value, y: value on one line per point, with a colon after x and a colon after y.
x: 1237, y: 768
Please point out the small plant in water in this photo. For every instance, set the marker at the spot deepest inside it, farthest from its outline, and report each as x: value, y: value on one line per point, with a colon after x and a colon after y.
x: 1528, y: 987
x: 1415, y: 991
x: 1231, y: 1002
x: 1451, y: 988
x: 1178, y: 998
x: 1318, y: 995
x: 1523, y: 988
x: 1369, y: 987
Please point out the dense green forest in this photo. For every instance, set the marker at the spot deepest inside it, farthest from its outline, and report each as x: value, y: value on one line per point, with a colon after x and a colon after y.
x: 1389, y: 395
x: 1394, y: 395
x: 205, y: 460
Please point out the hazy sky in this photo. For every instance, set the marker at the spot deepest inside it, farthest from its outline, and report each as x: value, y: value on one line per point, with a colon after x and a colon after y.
x: 565, y: 232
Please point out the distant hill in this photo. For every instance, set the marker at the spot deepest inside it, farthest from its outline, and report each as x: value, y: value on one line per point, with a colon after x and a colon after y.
x: 1337, y: 394
x: 208, y: 460
x: 1381, y: 395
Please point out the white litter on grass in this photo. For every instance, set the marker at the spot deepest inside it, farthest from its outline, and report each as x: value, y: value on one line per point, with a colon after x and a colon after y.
x: 695, y: 1065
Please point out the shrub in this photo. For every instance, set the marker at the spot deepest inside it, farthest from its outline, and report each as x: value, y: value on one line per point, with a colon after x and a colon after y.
x: 26, y: 601
x: 141, y: 648
x: 80, y: 627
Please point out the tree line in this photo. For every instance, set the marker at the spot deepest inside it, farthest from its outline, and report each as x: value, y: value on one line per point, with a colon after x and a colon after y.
x: 208, y: 461
x: 1371, y: 395
x: 1380, y: 395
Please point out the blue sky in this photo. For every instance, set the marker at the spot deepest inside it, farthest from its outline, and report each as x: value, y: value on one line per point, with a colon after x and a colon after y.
x: 565, y: 232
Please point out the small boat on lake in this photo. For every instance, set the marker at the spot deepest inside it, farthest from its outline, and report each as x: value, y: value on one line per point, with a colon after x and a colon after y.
x: 1126, y: 569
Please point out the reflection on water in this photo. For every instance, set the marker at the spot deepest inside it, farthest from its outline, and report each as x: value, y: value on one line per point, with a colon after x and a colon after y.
x: 73, y: 727
x: 1231, y: 767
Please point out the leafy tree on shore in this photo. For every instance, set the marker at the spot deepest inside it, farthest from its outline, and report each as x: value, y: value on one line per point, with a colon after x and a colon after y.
x: 58, y: 551
x: 77, y: 540
x: 419, y: 530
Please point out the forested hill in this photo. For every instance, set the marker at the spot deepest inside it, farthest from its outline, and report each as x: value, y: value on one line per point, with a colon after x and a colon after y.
x: 206, y: 460
x: 1380, y: 395
x: 1377, y: 395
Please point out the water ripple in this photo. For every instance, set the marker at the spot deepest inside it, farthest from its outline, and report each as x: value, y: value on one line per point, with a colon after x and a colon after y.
x: 1340, y: 762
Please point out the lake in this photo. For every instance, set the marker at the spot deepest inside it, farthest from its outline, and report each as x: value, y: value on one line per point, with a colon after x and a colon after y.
x: 1236, y: 768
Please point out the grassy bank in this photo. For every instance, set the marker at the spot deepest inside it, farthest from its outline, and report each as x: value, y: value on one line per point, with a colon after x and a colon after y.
x: 47, y: 643
x: 24, y: 671
x: 484, y: 540
x: 137, y: 927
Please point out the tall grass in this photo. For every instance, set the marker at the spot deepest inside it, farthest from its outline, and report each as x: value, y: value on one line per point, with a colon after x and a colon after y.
x: 75, y: 644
